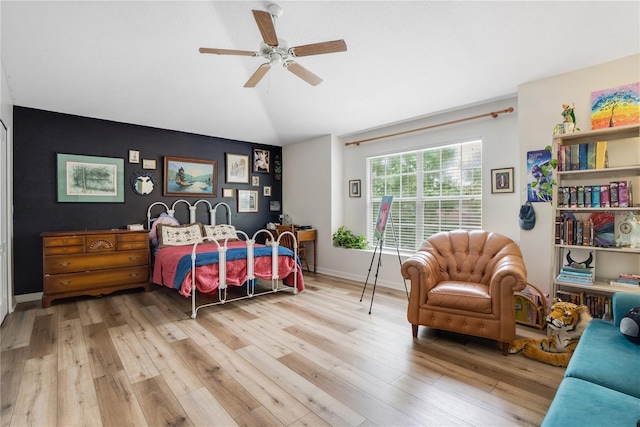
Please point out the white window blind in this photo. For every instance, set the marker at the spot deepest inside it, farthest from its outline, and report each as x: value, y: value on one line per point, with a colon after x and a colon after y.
x: 435, y: 189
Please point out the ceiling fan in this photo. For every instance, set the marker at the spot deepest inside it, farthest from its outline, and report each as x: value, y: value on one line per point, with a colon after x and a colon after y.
x: 277, y: 51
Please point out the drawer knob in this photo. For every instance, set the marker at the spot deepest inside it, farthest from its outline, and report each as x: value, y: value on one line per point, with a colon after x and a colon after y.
x: 133, y: 257
x: 65, y: 263
x: 134, y: 274
x: 65, y: 282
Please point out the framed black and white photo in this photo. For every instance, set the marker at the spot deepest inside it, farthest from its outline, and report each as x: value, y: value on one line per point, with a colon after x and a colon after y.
x: 261, y: 161
x: 247, y: 201
x: 502, y: 180
x: 354, y: 188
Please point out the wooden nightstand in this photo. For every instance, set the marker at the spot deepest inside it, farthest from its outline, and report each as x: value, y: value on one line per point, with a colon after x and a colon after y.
x: 93, y: 262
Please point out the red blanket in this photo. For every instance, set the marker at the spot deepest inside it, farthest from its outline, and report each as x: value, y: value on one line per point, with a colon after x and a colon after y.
x: 207, y: 280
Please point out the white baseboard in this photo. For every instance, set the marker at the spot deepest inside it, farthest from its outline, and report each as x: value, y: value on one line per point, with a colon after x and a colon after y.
x: 28, y: 297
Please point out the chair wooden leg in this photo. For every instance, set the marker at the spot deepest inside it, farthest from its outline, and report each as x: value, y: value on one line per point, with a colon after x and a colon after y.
x: 414, y: 329
x: 505, y: 348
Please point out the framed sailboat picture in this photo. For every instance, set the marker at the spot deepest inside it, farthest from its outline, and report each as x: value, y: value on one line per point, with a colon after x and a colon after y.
x: 190, y: 177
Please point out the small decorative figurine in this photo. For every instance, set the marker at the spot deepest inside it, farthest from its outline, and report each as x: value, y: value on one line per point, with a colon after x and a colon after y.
x: 569, y: 118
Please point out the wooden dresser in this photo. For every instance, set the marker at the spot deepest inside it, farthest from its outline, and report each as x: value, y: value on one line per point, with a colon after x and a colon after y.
x: 93, y: 262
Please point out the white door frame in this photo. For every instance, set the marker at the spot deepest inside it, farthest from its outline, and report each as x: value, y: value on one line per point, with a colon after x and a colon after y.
x: 5, y: 221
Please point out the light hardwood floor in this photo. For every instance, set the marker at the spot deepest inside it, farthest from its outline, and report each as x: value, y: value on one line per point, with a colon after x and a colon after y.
x: 314, y: 359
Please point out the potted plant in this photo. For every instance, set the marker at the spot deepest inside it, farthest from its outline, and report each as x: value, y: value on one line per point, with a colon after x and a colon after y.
x: 346, y: 239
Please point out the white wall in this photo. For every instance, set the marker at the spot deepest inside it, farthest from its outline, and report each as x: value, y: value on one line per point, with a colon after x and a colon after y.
x: 309, y: 203
x: 540, y: 106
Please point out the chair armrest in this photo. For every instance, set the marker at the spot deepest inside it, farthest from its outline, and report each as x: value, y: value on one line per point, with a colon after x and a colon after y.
x: 509, y: 271
x: 423, y: 271
x: 622, y: 303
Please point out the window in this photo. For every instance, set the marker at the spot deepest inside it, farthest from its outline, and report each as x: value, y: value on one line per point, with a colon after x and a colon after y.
x: 435, y: 189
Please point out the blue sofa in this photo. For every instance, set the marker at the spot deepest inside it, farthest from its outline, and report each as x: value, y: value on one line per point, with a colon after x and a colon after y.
x: 601, y: 385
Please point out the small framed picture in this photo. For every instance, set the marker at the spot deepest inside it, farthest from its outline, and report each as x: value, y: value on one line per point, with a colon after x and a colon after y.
x: 261, y: 161
x: 354, y: 188
x: 274, y: 206
x: 266, y: 191
x: 134, y: 156
x: 255, y: 181
x: 247, y: 201
x: 502, y: 180
x: 148, y: 164
x: 227, y: 193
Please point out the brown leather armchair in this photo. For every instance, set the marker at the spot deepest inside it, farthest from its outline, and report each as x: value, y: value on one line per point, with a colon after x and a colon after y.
x: 464, y: 281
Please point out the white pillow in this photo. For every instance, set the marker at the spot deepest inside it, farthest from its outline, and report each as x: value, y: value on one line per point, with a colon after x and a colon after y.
x: 179, y: 235
x: 220, y: 231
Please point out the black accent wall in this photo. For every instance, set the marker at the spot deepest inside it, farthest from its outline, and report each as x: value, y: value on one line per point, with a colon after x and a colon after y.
x: 39, y: 135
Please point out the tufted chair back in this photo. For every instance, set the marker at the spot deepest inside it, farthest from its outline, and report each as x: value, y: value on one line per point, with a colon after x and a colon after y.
x: 469, y: 256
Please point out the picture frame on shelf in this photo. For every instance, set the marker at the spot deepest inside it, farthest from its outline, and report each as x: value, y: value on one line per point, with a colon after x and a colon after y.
x: 237, y: 168
x: 261, y: 160
x: 502, y: 180
x: 190, y: 177
x: 247, y: 201
x: 354, y: 188
x: 90, y: 179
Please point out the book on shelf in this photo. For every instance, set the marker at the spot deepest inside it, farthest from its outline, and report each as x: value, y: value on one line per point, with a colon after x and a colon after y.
x: 575, y: 157
x: 586, y: 271
x: 582, y: 153
x: 602, y: 160
x: 613, y: 194
x: 595, y: 196
x: 623, y: 194
x: 623, y: 284
x: 604, y: 196
x: 578, y: 280
x: 591, y: 155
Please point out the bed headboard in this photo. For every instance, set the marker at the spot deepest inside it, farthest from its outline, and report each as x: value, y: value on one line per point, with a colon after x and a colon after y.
x: 192, y: 210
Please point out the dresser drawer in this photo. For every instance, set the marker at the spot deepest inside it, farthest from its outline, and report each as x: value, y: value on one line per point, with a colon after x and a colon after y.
x: 127, y: 242
x: 60, y: 264
x: 63, y: 241
x: 94, y: 279
x: 62, y: 250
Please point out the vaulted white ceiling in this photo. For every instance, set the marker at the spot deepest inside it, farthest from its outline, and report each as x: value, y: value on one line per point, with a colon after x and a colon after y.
x: 138, y: 61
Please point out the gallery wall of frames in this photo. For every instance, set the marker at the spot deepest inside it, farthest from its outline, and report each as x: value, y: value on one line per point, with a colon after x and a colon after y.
x: 78, y: 173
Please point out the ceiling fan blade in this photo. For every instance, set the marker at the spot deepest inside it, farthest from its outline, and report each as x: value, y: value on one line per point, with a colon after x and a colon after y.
x: 228, y: 51
x: 319, y: 48
x: 303, y: 73
x: 258, y: 75
x: 265, y: 25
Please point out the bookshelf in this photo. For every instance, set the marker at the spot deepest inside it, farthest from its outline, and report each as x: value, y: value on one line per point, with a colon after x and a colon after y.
x: 587, y: 228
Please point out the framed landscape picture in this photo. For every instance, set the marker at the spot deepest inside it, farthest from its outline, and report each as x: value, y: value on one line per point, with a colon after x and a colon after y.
x: 90, y: 179
x: 190, y: 177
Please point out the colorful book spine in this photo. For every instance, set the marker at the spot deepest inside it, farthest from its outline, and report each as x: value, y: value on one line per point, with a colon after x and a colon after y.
x: 595, y: 196
x: 582, y: 162
x: 587, y: 196
x: 623, y: 194
x: 601, y: 155
x: 591, y: 155
x: 580, y: 196
x: 604, y: 196
x: 613, y: 194
x: 575, y: 157
x: 573, y: 197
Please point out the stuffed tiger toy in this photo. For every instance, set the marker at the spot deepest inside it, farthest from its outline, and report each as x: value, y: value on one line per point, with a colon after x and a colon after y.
x: 568, y: 321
